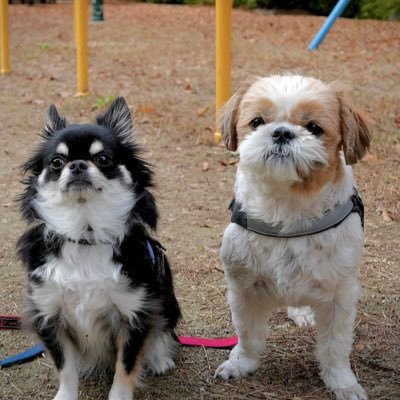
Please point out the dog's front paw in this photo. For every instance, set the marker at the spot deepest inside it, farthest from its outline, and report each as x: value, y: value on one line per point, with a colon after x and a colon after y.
x: 63, y: 395
x: 302, y: 316
x: 120, y: 392
x: 228, y: 370
x: 355, y: 392
x: 233, y: 368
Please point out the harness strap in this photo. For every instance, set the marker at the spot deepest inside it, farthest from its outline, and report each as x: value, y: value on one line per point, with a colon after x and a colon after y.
x: 151, y: 252
x: 331, y: 219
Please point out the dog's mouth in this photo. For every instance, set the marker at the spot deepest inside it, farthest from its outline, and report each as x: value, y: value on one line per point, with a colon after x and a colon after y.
x: 279, y: 152
x: 79, y: 184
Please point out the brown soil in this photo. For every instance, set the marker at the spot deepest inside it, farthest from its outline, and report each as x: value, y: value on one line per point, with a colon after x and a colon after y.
x: 161, y: 58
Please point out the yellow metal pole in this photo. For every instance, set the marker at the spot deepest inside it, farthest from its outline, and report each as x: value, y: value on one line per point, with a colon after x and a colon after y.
x: 5, y: 59
x: 82, y: 53
x: 223, y: 20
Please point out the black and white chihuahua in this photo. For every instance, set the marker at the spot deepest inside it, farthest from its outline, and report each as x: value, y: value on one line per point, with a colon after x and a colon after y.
x: 100, y: 292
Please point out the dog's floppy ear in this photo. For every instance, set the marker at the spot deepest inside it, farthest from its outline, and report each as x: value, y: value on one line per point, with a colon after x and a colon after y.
x: 228, y: 119
x: 356, y: 134
x: 54, y: 122
x: 118, y: 117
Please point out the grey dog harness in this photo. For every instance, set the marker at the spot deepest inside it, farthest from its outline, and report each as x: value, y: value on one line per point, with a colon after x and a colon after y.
x: 330, y: 219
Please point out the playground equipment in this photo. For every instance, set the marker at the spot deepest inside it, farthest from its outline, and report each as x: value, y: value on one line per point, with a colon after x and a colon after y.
x: 333, y: 16
x: 223, y: 24
x: 81, y: 38
x: 82, y: 53
x: 223, y: 47
x: 5, y: 59
x: 223, y: 10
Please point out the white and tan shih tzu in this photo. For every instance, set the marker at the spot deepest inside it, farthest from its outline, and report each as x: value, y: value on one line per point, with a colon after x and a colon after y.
x: 296, y: 235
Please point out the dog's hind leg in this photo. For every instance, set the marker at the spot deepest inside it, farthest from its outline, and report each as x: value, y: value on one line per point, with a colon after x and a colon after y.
x: 250, y: 308
x: 335, y: 324
x: 302, y: 316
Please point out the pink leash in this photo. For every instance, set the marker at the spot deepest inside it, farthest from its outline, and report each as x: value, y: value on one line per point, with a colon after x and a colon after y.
x: 222, y: 343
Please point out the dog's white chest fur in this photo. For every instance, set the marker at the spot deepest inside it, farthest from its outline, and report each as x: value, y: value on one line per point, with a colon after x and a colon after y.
x: 85, y: 286
x: 294, y: 271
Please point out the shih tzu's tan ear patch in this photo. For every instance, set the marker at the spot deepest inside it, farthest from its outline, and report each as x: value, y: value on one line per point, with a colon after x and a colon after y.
x: 228, y: 119
x: 356, y: 132
x: 229, y: 116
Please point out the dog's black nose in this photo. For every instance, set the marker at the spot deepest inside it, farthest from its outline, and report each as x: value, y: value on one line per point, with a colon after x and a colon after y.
x: 283, y: 134
x: 78, y: 166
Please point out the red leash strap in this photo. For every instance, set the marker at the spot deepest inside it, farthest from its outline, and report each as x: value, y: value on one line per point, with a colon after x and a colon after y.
x: 9, y: 322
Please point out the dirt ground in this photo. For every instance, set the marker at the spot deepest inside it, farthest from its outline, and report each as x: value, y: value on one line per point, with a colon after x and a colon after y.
x: 161, y: 58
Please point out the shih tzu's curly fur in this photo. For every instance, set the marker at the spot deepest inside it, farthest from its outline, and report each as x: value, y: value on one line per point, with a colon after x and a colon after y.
x: 296, y: 137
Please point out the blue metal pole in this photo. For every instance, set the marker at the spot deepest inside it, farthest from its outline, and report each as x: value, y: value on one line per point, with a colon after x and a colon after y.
x: 333, y: 16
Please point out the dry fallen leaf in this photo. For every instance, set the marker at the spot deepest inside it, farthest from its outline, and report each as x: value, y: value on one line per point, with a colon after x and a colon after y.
x: 219, y: 268
x: 371, y: 159
x: 228, y: 161
x: 203, y: 111
x: 386, y: 216
x: 64, y: 95
x: 146, y: 110
x: 360, y: 346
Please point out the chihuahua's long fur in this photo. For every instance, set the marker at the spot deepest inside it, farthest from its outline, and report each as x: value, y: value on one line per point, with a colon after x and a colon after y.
x: 100, y: 291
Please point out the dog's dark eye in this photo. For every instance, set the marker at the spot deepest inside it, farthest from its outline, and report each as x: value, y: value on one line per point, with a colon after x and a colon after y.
x: 103, y: 160
x: 256, y: 122
x: 57, y: 163
x: 314, y: 128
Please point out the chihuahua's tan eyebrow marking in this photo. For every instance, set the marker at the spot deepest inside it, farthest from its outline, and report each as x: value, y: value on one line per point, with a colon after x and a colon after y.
x: 62, y: 148
x: 96, y: 147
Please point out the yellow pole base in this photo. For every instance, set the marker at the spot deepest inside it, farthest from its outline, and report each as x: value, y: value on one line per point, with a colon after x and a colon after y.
x: 217, y: 137
x: 5, y: 71
x: 81, y: 94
